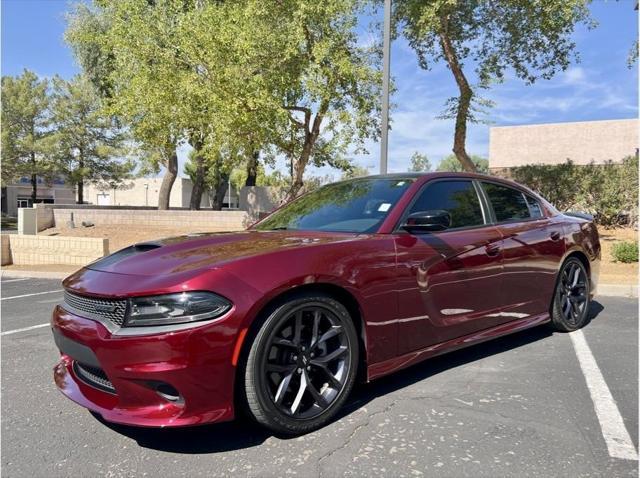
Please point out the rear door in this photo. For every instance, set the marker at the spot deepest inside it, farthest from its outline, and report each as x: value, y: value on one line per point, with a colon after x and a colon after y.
x: 449, y: 281
x: 531, y: 246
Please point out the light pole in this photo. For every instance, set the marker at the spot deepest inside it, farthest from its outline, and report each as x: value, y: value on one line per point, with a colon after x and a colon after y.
x: 386, y: 63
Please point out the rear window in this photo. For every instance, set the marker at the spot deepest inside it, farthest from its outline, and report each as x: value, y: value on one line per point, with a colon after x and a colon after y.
x: 508, y: 204
x: 534, y: 207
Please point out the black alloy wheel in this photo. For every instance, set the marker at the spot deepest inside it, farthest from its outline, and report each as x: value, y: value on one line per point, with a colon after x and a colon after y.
x: 302, y: 364
x: 571, y: 300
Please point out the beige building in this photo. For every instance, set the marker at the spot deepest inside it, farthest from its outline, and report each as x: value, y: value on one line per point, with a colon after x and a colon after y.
x: 145, y: 192
x: 19, y: 194
x: 583, y: 142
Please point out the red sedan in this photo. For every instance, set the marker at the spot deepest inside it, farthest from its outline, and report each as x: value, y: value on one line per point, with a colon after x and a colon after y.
x: 354, y: 280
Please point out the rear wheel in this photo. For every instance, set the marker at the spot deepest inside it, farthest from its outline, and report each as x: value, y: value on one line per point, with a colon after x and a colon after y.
x: 570, y: 306
x: 301, y: 365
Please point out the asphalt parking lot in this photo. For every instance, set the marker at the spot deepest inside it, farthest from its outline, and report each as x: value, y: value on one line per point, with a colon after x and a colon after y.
x: 519, y: 406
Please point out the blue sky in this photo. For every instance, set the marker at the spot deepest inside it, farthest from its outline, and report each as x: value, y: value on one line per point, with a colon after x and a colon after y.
x: 599, y: 87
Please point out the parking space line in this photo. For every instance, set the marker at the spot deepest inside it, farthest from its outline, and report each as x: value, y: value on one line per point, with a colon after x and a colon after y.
x: 614, y: 432
x: 30, y: 295
x: 9, y: 332
x: 14, y: 280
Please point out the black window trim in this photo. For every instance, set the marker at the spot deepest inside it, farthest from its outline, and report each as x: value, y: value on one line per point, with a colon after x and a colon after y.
x: 486, y: 211
x: 494, y: 219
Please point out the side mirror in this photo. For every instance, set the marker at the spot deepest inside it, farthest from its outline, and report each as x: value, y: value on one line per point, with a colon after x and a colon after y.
x: 428, y: 221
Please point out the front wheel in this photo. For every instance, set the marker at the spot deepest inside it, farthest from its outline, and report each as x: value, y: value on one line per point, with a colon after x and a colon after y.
x: 570, y: 306
x: 302, y: 364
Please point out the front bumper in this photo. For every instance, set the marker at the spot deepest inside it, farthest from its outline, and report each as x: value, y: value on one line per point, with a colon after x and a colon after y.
x: 196, y: 362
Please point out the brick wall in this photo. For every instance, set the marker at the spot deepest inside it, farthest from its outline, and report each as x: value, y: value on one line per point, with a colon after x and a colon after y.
x: 44, y: 216
x: 582, y: 142
x: 206, y: 221
x: 31, y: 250
x: 6, y: 250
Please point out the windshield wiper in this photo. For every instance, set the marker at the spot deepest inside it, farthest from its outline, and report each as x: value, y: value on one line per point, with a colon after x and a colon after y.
x: 279, y: 228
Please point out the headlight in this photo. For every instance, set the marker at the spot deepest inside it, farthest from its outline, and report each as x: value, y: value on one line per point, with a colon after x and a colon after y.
x: 175, y: 308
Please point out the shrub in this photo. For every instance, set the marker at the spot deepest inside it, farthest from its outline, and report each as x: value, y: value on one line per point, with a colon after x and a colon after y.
x: 608, y: 191
x: 625, y: 252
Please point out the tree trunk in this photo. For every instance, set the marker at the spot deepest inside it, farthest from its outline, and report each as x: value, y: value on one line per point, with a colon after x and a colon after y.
x: 298, y: 171
x: 309, y: 142
x: 198, y: 184
x: 221, y: 190
x: 80, y: 192
x: 34, y: 179
x: 464, y: 101
x: 80, y: 181
x: 169, y: 178
x: 252, y: 169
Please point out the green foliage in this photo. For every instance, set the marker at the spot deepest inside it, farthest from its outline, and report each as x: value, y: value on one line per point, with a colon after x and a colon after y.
x: 355, y: 171
x: 608, y: 191
x: 632, y: 57
x: 285, y: 78
x: 451, y: 163
x: 625, y: 252
x: 88, y: 143
x: 420, y: 163
x: 532, y: 39
x: 26, y: 129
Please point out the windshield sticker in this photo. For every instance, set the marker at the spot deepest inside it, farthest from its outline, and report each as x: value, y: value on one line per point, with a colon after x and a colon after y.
x: 384, y: 207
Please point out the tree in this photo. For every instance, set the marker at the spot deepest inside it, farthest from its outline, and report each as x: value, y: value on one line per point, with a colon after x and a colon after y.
x: 355, y: 171
x: 26, y: 145
x: 533, y: 39
x: 420, y: 163
x: 219, y: 173
x: 332, y: 99
x: 451, y: 163
x: 116, y: 44
x: 88, y: 143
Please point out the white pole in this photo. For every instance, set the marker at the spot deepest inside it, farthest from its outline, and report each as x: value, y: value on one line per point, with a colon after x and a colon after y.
x: 386, y: 63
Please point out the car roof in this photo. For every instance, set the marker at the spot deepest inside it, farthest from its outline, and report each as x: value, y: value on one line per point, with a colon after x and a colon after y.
x: 424, y: 177
x: 437, y: 174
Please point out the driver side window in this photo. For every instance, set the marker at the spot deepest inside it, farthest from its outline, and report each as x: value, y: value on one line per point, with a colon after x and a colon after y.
x: 458, y: 197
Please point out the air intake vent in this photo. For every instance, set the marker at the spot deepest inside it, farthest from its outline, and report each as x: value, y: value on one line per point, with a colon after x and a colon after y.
x: 113, y: 310
x: 94, y: 377
x: 124, y: 253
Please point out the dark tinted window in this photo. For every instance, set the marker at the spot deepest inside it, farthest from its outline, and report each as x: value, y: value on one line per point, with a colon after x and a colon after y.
x: 458, y: 198
x: 359, y: 205
x: 509, y: 204
x: 534, y: 207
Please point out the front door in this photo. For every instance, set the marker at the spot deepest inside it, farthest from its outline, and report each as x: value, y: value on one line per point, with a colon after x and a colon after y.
x: 450, y: 282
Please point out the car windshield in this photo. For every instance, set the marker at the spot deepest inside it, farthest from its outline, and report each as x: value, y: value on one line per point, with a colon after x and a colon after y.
x: 357, y: 205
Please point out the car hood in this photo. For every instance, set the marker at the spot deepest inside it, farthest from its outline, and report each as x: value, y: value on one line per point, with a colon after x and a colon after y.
x: 195, y: 252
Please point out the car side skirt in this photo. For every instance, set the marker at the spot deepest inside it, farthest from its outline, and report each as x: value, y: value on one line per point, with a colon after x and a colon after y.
x: 386, y: 367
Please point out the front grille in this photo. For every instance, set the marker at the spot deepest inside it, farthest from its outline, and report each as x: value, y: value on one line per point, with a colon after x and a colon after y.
x: 93, y: 376
x: 113, y: 310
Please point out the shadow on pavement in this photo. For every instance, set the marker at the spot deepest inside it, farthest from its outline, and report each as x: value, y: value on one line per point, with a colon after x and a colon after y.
x: 243, y: 433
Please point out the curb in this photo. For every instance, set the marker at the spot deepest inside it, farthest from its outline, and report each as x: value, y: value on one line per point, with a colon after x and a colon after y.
x: 34, y: 274
x: 618, y: 290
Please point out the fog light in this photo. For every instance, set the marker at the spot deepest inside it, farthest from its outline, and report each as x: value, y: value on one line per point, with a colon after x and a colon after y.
x: 168, y: 392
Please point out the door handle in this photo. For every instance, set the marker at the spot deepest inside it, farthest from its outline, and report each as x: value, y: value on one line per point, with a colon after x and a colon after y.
x: 555, y: 236
x: 492, y: 250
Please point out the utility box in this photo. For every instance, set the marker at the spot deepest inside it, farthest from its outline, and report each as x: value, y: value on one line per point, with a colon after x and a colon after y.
x: 27, y: 221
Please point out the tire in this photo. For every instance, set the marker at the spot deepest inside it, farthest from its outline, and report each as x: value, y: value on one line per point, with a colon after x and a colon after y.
x: 570, y: 306
x: 302, y: 364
